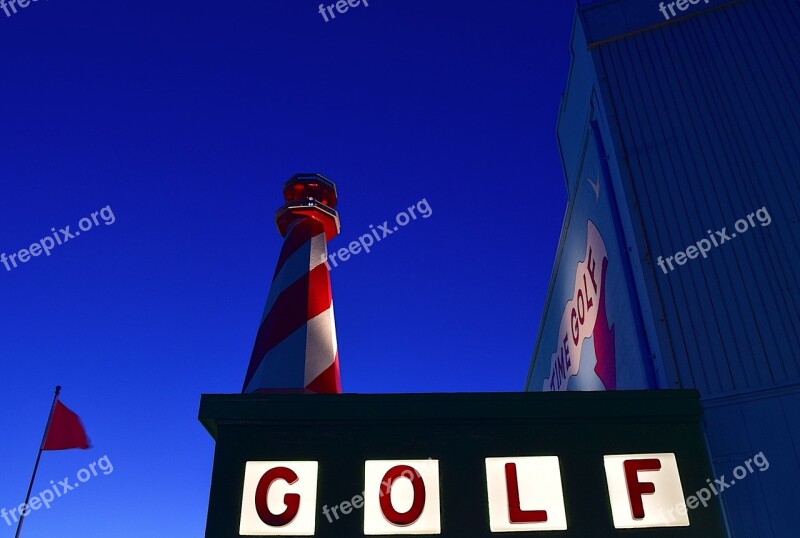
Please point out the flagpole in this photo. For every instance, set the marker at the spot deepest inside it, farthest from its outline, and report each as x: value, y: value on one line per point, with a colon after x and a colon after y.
x: 38, y: 457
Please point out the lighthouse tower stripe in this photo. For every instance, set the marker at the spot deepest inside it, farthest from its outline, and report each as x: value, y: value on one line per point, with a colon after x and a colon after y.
x: 298, y: 264
x: 329, y: 381
x: 321, y: 346
x: 296, y: 347
x: 297, y: 240
x: 280, y: 369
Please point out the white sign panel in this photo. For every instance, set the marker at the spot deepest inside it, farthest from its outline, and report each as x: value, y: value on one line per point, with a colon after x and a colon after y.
x: 645, y: 491
x: 279, y: 498
x: 401, y: 497
x: 525, y: 494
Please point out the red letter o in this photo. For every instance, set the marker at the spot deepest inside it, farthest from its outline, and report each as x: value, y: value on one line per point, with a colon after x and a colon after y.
x: 575, y: 327
x: 393, y: 516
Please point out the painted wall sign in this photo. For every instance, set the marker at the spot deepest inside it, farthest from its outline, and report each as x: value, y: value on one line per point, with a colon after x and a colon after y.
x: 585, y: 317
x: 592, y: 336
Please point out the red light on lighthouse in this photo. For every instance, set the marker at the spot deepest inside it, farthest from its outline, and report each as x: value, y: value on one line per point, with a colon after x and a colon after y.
x: 309, y: 196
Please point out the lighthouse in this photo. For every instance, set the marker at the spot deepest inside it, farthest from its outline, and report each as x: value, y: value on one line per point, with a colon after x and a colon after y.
x: 295, y: 348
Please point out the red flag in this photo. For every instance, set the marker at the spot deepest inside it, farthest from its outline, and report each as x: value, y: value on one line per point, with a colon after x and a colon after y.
x: 65, y: 431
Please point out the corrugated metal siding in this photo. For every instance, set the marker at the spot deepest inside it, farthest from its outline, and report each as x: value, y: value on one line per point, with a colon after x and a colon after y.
x: 700, y: 119
x: 764, y: 503
x: 708, y: 115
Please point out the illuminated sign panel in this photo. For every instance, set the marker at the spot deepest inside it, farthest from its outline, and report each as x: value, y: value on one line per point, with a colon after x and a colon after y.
x: 279, y: 498
x: 458, y: 465
x: 645, y: 491
x: 401, y: 497
x: 525, y: 494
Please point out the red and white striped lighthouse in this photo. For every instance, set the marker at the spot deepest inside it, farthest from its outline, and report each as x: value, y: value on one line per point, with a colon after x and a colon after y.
x: 295, y: 349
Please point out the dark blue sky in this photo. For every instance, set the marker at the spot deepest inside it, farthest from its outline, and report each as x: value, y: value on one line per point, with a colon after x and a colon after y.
x: 185, y: 118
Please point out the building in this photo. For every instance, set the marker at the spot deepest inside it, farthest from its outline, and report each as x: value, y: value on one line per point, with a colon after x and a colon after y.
x: 677, y: 265
x: 295, y: 457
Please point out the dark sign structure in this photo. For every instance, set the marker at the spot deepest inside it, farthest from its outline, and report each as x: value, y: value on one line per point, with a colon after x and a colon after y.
x: 627, y: 463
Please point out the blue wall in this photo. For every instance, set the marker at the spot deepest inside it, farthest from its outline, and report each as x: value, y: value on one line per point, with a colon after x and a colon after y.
x: 699, y: 119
